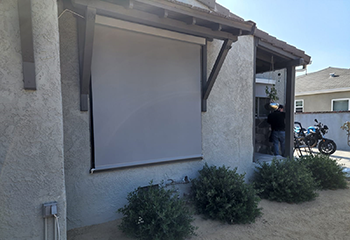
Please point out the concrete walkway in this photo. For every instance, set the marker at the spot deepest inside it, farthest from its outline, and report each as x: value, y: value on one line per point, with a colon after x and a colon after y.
x: 342, y: 157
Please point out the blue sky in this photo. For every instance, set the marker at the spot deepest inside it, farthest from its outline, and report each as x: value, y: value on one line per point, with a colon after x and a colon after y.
x: 321, y: 28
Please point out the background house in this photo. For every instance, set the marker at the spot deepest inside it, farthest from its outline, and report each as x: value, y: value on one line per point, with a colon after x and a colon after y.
x: 81, y: 78
x: 324, y: 90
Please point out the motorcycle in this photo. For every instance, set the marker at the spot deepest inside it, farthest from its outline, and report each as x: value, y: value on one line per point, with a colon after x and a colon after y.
x: 314, y: 138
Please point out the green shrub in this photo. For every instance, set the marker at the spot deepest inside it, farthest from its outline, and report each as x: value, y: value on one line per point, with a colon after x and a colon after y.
x: 156, y: 213
x: 326, y: 171
x: 285, y: 180
x: 222, y: 194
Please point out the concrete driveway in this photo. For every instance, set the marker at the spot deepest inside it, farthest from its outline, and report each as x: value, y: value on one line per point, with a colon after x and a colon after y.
x: 343, y: 157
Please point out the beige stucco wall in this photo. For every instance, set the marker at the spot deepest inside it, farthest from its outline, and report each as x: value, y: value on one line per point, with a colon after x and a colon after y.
x: 226, y: 134
x: 227, y: 127
x: 31, y: 128
x: 320, y: 102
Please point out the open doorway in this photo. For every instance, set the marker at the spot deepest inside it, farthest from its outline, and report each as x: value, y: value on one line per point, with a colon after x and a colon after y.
x: 273, y: 79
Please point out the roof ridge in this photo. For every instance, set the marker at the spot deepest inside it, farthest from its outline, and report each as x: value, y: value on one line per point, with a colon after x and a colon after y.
x: 324, y: 69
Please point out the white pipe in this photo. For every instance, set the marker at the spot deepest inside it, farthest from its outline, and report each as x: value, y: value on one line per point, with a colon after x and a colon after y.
x: 45, y: 220
x: 55, y: 229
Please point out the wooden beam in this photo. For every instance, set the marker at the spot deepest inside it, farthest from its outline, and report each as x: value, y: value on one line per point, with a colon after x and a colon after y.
x: 26, y: 38
x: 248, y: 26
x: 204, y: 62
x: 289, y: 108
x: 85, y: 76
x: 216, y: 27
x: 84, y: 102
x: 137, y: 16
x: 135, y: 27
x: 253, y: 30
x: 162, y: 13
x: 237, y: 32
x: 210, y: 3
x: 81, y: 41
x: 125, y: 3
x: 191, y: 21
x: 226, y: 46
x: 264, y: 56
x: 292, y: 63
x: 130, y: 4
x: 277, y: 51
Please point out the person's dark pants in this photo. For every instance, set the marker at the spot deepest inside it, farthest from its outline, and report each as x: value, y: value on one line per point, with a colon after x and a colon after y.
x: 278, y: 137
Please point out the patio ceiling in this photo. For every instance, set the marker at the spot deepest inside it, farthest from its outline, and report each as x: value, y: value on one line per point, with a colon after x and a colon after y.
x: 273, y: 54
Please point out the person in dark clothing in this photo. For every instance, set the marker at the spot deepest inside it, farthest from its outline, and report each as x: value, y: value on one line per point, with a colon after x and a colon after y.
x: 277, y: 121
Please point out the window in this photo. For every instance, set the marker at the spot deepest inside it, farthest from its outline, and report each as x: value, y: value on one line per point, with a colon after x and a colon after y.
x: 299, y: 106
x: 146, y: 99
x: 341, y: 104
x: 261, y: 107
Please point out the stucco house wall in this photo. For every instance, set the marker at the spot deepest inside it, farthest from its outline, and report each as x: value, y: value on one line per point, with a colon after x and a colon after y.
x: 227, y: 126
x: 280, y: 76
x: 31, y: 127
x: 95, y: 198
x: 45, y: 147
x: 321, y: 102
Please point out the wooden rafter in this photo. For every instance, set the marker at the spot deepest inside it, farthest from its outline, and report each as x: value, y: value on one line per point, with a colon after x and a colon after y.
x: 245, y: 26
x: 137, y: 16
x: 291, y: 63
x: 276, y: 51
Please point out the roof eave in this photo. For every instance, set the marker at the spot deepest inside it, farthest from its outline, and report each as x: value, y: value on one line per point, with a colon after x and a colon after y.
x: 184, y: 17
x: 288, y: 49
x: 335, y: 90
x: 274, y: 54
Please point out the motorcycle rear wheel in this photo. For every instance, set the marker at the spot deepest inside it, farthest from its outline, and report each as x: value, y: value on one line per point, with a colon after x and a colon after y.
x: 327, y: 147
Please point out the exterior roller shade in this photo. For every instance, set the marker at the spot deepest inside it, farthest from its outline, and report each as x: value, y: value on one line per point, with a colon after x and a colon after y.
x: 146, y: 99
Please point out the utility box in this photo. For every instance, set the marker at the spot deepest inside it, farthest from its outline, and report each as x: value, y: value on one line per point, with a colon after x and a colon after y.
x: 49, y: 209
